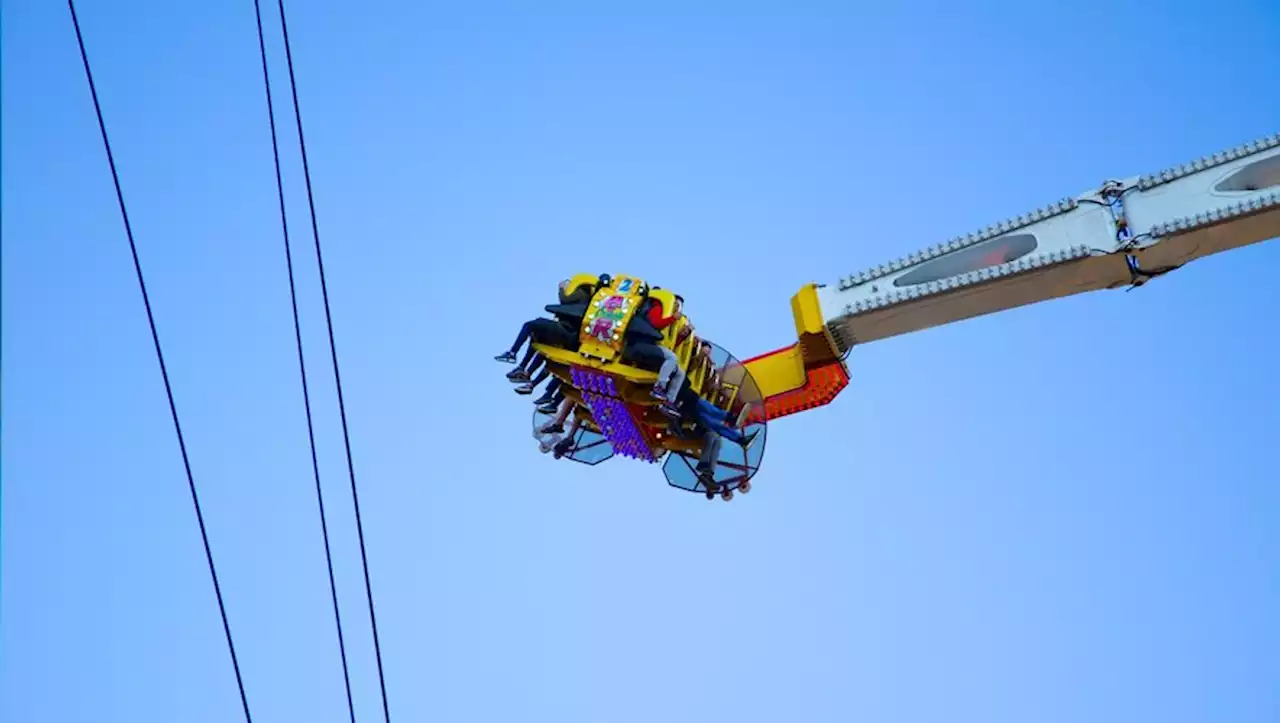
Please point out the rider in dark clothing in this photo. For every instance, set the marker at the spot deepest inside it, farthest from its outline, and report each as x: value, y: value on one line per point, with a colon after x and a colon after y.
x: 548, y: 396
x: 562, y: 332
x: 543, y: 331
x: 553, y: 394
x: 711, y: 424
x: 640, y: 345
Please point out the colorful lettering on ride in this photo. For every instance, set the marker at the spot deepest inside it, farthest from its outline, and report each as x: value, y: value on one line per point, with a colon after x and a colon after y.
x: 607, y: 318
x: 607, y: 321
x: 601, y: 329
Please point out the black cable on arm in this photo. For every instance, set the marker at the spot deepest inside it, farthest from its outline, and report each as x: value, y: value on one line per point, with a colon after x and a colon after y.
x: 302, y: 364
x: 333, y: 351
x: 164, y: 372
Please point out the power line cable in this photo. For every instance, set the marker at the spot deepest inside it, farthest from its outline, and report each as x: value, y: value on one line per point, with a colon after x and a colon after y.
x: 333, y: 351
x: 164, y: 372
x: 302, y: 365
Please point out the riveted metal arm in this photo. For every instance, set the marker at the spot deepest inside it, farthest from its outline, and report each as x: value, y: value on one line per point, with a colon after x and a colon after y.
x: 1122, y: 234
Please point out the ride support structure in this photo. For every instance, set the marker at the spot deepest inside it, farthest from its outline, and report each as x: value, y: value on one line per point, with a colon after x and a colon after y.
x: 1122, y: 234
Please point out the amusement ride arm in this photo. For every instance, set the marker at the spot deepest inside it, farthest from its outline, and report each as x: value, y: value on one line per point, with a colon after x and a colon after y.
x: 1121, y: 234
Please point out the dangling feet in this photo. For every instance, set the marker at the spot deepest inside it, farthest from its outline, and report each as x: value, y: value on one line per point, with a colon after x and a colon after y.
x: 563, y: 447
x: 552, y: 427
x: 659, y: 392
x: 508, y: 357
x: 707, y: 476
x: 525, y: 388
x: 517, y: 375
x: 677, y: 429
x: 548, y: 408
x: 670, y: 410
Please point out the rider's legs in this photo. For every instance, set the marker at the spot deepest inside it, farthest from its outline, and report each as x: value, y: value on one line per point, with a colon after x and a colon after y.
x: 525, y: 332
x: 710, y: 452
x: 707, y: 410
x: 557, y: 424
x: 670, y: 375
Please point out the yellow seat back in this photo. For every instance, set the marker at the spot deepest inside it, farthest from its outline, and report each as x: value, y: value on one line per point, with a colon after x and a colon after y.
x: 579, y: 280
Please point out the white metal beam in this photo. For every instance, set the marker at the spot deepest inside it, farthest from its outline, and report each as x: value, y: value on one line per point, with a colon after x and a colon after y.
x: 1122, y: 234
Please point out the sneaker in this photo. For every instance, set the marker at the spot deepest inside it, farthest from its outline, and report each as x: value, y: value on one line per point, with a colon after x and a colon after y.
x: 565, y: 446
x: 669, y: 409
x: 548, y: 409
x: 708, y: 479
x: 748, y: 439
x: 516, y: 376
x: 552, y: 427
x: 507, y: 356
x: 544, y: 399
x: 659, y: 391
x: 525, y: 388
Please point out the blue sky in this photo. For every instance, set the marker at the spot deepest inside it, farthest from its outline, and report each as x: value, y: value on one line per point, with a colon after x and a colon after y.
x: 1061, y: 513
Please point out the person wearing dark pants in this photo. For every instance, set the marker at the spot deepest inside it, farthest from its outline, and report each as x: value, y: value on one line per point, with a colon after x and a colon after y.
x: 572, y: 306
x: 543, y: 331
x: 717, y: 420
x: 552, y: 395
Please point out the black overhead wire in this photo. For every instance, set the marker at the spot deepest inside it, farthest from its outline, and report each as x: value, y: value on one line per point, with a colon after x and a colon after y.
x: 164, y: 372
x: 302, y: 364
x: 333, y: 352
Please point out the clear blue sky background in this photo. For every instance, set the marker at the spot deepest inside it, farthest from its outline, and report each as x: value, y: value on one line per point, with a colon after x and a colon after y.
x: 1064, y: 513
